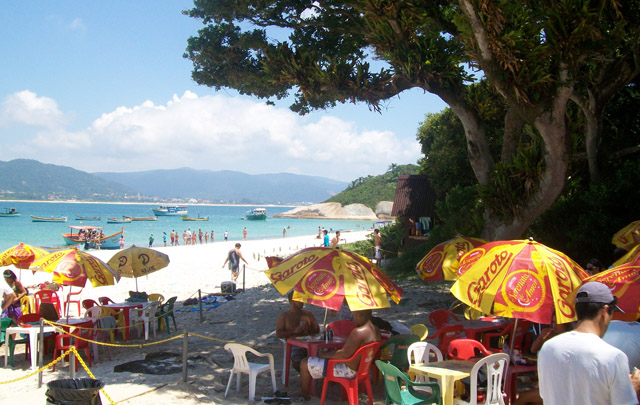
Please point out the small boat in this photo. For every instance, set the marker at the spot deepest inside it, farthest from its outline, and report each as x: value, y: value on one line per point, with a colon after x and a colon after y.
x: 257, y: 214
x: 50, y: 219
x: 10, y: 212
x: 199, y: 218
x: 165, y: 210
x: 140, y: 218
x: 114, y: 220
x: 84, y: 233
x: 79, y: 218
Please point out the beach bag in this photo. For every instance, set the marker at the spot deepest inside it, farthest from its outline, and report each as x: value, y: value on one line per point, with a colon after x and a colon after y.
x: 135, y: 296
x: 234, y: 260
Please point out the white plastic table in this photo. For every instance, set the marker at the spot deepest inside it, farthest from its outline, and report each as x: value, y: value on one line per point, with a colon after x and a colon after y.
x: 33, y: 332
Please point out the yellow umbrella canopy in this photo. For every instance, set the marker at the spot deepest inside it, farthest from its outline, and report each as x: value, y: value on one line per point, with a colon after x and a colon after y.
x: 134, y: 262
x: 73, y: 267
x: 627, y: 237
x: 631, y: 256
x: 325, y: 277
x: 519, y: 279
x: 21, y: 255
x: 442, y: 262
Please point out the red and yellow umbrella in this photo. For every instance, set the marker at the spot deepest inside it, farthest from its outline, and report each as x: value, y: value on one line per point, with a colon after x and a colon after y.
x: 631, y: 256
x: 73, y: 267
x: 442, y: 262
x: 519, y: 279
x: 627, y: 237
x: 624, y: 282
x: 21, y: 256
x: 325, y: 277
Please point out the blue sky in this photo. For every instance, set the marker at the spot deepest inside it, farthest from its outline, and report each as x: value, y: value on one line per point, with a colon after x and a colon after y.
x: 103, y: 86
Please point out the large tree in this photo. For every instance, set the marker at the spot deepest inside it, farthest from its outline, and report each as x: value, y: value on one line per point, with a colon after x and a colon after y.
x: 535, y: 54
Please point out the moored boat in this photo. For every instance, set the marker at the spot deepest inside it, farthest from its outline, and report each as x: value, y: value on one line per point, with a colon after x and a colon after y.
x: 257, y: 214
x: 165, y: 210
x: 199, y: 218
x: 10, y: 212
x: 114, y: 220
x: 140, y: 218
x: 50, y: 219
x: 80, y: 218
x: 90, y: 236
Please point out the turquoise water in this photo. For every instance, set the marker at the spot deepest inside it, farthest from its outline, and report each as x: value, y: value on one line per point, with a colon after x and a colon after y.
x: 221, y: 218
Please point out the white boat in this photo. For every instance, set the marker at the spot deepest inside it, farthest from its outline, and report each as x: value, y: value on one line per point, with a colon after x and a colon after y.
x: 257, y: 214
x: 165, y: 210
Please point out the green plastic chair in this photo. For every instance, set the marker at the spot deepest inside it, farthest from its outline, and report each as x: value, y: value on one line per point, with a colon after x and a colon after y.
x: 4, y: 324
x: 164, y: 312
x: 401, y: 345
x: 408, y: 395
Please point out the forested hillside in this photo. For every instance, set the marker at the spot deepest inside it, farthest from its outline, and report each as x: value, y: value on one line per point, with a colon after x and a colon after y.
x: 372, y: 189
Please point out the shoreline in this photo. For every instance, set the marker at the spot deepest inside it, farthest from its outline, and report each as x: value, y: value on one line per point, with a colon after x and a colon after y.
x: 152, y: 203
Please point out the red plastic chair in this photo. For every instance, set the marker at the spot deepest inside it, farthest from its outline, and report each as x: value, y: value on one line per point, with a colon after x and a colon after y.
x: 86, y: 304
x: 105, y: 300
x: 445, y: 335
x: 70, y: 300
x: 441, y: 317
x: 47, y: 296
x: 367, y: 355
x: 341, y: 328
x: 491, y: 340
x: 67, y: 340
x: 465, y: 349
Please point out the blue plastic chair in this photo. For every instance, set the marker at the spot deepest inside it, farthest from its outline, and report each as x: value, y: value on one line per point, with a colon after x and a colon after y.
x: 164, y: 312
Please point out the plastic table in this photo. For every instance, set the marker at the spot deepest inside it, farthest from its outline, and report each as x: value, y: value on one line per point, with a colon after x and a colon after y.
x: 33, y: 331
x: 448, y: 372
x: 125, y: 307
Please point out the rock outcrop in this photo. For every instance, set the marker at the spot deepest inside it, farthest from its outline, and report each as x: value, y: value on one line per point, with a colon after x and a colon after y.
x: 383, y: 210
x: 331, y: 211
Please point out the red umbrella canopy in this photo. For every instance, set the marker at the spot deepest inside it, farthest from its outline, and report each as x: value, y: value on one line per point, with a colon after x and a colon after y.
x: 624, y: 282
x: 627, y: 237
x: 74, y: 267
x: 21, y: 255
x: 442, y: 262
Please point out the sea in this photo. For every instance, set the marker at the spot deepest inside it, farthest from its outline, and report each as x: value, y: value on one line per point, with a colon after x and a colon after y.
x: 230, y: 218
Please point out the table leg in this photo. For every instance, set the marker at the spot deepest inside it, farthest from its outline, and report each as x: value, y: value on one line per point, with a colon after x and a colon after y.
x: 126, y: 324
x: 33, y: 346
x: 6, y: 349
x: 447, y: 390
x: 287, y: 366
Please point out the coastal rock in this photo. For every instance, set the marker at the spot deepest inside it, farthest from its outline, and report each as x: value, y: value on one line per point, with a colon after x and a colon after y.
x: 331, y: 211
x: 383, y: 210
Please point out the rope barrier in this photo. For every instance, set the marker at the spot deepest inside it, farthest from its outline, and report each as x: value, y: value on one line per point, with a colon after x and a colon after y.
x: 231, y: 341
x: 89, y: 373
x: 31, y: 374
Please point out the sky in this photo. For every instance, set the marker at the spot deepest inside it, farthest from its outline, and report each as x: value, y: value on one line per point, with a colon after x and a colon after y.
x: 103, y: 86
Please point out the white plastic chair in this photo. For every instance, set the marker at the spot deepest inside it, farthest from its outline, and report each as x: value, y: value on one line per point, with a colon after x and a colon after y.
x: 142, y: 317
x: 241, y: 365
x: 284, y: 359
x: 93, y: 313
x: 420, y: 352
x: 495, y: 367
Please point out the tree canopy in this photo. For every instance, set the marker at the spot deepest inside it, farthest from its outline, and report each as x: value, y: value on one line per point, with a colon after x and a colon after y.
x: 532, y: 56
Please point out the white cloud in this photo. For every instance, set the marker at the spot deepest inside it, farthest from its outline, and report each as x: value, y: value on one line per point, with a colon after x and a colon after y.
x: 215, y: 132
x: 25, y: 107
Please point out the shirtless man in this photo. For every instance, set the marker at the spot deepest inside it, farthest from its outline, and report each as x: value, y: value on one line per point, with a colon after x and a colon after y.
x: 364, y: 333
x: 377, y: 241
x: 335, y: 240
x: 296, y: 322
x: 233, y: 257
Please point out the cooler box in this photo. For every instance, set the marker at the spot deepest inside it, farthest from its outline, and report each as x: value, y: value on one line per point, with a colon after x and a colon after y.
x: 228, y: 287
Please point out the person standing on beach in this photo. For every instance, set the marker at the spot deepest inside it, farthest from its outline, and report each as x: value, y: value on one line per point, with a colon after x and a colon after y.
x: 173, y: 236
x: 377, y: 241
x: 121, y: 241
x: 325, y: 240
x: 151, y: 240
x: 319, y: 233
x: 211, y: 236
x: 200, y: 235
x: 226, y: 236
x: 206, y: 238
x: 233, y: 257
x: 296, y: 322
x: 244, y: 233
x: 184, y: 237
x: 336, y: 240
x: 164, y: 239
x: 284, y: 232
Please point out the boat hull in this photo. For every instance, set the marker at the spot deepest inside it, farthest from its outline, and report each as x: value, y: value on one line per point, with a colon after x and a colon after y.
x: 108, y: 242
x: 52, y: 219
x: 195, y: 219
x: 170, y: 211
x: 79, y: 218
x: 2, y: 214
x: 142, y: 218
x: 259, y: 217
x: 117, y: 221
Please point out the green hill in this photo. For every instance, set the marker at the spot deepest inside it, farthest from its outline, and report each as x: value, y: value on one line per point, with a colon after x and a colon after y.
x: 371, y: 190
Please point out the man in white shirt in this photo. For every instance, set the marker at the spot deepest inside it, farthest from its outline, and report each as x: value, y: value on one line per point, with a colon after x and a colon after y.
x: 578, y: 367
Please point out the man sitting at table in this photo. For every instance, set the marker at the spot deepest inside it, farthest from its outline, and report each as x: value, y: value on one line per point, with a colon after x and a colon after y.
x: 296, y: 322
x: 364, y: 333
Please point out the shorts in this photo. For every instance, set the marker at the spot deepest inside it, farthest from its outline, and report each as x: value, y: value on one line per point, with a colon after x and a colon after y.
x: 378, y: 253
x: 297, y: 354
x: 318, y: 369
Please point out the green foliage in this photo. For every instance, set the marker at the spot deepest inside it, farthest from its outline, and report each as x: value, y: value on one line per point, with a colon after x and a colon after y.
x: 371, y: 190
x: 461, y: 212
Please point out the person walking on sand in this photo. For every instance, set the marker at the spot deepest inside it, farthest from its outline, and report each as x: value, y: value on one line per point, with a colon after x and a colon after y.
x: 233, y: 257
x: 226, y: 236
x: 151, y: 240
x: 377, y: 241
x: 336, y: 240
x: 164, y: 239
x: 244, y: 233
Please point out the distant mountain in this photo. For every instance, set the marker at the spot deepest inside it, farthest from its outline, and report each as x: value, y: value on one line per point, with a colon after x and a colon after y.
x: 229, y: 186
x: 371, y: 190
x: 29, y: 179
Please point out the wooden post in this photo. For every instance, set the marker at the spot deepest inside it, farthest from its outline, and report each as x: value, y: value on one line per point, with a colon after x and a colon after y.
x: 185, y: 342
x: 244, y: 273
x: 200, y: 305
x: 72, y: 365
x: 40, y: 351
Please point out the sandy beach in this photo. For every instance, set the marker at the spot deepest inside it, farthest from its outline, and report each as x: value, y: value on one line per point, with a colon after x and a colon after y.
x: 249, y: 318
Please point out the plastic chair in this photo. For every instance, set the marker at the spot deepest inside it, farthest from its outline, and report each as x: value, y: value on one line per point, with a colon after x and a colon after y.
x: 67, y: 340
x: 105, y: 300
x: 4, y: 324
x: 446, y: 334
x: 494, y: 340
x: 156, y: 297
x: 465, y: 349
x: 86, y: 304
x: 142, y: 317
x: 94, y: 313
x: 164, y: 312
x: 421, y: 353
x: 495, y: 366
x: 70, y: 300
x: 47, y: 296
x: 117, y: 315
x: 400, y: 345
x: 242, y: 365
x: 25, y: 305
x: 341, y: 328
x: 367, y: 354
x: 420, y: 330
x: 409, y: 395
x: 441, y: 317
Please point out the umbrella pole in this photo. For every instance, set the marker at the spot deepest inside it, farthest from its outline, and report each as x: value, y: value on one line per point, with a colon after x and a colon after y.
x: 136, y: 278
x: 326, y: 311
x: 513, y: 340
x: 67, y: 306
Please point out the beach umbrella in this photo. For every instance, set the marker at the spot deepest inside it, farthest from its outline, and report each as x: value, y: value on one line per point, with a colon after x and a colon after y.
x: 73, y: 267
x: 631, y: 256
x: 325, y: 277
x: 442, y: 262
x: 134, y: 262
x: 21, y: 256
x: 624, y: 282
x: 627, y: 237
